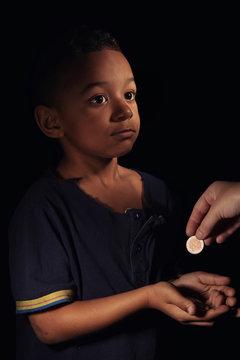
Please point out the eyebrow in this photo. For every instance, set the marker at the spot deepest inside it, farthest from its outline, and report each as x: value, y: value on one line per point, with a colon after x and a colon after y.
x: 100, y: 83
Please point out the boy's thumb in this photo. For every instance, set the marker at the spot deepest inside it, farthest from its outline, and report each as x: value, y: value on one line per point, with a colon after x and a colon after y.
x: 190, y: 308
x: 186, y: 305
x: 183, y: 302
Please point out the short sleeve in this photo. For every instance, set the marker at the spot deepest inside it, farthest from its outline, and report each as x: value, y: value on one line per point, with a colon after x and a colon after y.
x: 39, y: 266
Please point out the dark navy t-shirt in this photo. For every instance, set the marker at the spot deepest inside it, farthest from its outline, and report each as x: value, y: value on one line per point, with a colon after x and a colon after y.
x: 66, y: 246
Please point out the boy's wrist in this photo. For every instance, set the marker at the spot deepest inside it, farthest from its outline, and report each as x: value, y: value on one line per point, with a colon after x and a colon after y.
x: 152, y: 293
x: 144, y: 297
x: 149, y: 293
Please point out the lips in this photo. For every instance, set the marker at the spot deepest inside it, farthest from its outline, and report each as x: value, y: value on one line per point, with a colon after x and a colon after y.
x: 128, y: 131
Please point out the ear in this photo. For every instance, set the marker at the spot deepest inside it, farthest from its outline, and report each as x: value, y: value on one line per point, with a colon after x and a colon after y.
x: 47, y: 120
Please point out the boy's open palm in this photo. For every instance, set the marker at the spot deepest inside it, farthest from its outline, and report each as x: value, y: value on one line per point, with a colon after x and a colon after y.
x: 195, y: 298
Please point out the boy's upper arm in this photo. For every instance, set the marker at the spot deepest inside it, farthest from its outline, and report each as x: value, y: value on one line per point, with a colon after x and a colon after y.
x: 39, y: 266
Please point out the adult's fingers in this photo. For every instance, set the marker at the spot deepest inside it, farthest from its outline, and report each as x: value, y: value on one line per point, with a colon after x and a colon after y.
x: 199, y: 211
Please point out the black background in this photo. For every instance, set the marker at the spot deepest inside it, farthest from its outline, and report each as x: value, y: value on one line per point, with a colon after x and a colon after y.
x: 186, y: 64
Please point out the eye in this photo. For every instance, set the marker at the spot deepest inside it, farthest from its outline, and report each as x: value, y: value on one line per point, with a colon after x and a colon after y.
x: 99, y: 99
x: 130, y: 95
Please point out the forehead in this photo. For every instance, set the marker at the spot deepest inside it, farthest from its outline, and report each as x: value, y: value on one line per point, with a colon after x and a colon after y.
x: 104, y: 65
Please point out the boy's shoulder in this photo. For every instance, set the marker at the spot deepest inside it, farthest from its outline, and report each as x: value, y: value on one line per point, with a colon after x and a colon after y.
x: 41, y: 189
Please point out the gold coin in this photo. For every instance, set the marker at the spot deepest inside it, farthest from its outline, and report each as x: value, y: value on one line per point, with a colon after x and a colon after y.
x: 194, y: 245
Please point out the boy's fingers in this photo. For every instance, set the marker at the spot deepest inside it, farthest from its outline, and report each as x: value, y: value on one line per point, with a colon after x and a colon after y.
x: 210, y: 314
x: 214, y: 279
x: 200, y: 323
x: 231, y: 301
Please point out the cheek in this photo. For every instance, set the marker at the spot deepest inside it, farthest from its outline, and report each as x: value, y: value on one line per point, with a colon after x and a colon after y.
x: 77, y: 120
x: 87, y: 131
x: 137, y: 120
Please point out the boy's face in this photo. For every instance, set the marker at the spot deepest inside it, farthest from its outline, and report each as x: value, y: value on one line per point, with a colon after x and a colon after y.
x: 97, y: 108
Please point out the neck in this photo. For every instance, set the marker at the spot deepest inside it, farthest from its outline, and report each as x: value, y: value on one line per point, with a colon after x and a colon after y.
x: 104, y: 169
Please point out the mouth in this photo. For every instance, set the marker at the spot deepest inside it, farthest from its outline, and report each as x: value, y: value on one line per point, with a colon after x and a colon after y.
x: 123, y: 132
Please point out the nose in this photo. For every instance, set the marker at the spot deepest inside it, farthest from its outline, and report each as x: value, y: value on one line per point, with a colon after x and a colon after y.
x: 121, y: 112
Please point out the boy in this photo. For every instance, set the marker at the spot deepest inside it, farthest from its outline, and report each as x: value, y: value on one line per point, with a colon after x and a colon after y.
x: 91, y: 241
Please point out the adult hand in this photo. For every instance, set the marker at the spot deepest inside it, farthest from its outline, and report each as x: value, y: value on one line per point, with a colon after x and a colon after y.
x: 216, y: 214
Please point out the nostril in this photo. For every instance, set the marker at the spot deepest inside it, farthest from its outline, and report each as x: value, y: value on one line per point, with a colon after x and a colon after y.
x: 122, y: 114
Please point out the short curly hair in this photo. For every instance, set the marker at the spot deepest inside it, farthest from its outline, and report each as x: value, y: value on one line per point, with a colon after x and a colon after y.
x: 70, y: 46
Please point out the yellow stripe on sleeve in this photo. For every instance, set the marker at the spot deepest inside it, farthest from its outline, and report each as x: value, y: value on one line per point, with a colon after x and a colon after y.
x: 43, y: 302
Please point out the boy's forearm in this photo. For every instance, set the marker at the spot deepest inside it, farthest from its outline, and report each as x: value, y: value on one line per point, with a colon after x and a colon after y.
x: 84, y: 317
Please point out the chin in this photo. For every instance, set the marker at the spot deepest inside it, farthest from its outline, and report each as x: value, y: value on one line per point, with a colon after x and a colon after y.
x: 124, y: 152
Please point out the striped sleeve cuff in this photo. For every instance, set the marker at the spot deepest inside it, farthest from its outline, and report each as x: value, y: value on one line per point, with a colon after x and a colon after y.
x: 55, y: 298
